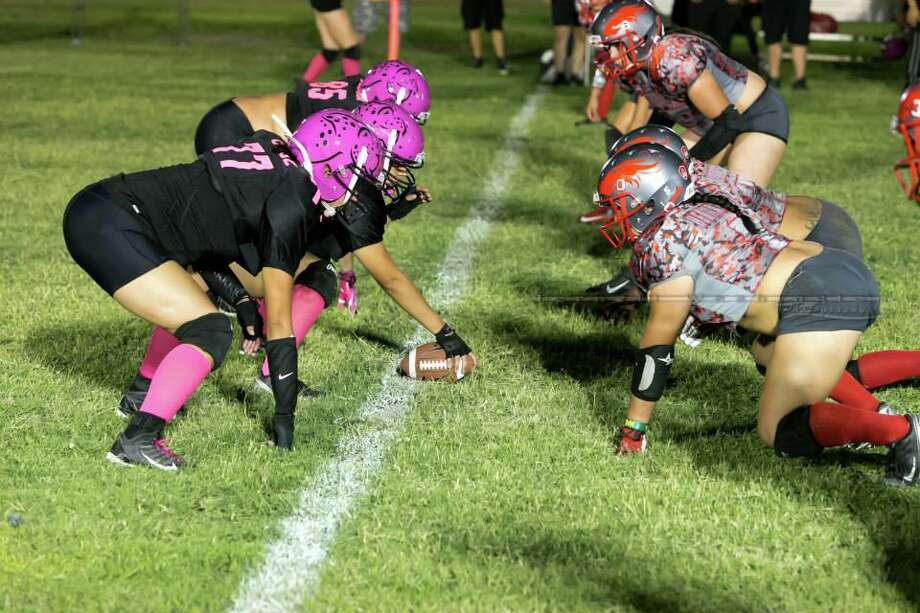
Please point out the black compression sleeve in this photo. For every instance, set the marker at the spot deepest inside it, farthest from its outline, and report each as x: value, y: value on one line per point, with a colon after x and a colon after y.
x: 282, y: 364
x: 224, y: 283
x: 724, y: 129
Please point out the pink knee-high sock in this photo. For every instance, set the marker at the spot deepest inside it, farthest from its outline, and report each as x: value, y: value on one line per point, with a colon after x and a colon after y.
x: 161, y: 343
x: 316, y: 67
x: 351, y: 66
x: 177, y: 377
x: 306, y: 305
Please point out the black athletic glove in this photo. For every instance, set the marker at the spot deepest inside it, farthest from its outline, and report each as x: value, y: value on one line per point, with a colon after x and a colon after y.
x: 282, y: 364
x: 451, y: 342
x: 404, y: 205
x: 247, y: 313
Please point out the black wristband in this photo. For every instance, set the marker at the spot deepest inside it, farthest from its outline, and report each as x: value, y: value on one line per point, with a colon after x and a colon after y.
x: 451, y: 342
x: 282, y: 365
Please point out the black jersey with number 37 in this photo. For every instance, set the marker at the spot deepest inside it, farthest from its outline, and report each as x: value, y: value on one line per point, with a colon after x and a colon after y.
x: 309, y: 98
x: 250, y: 202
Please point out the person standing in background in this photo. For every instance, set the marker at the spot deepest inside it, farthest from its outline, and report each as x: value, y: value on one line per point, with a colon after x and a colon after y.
x: 365, y: 15
x: 336, y: 35
x: 490, y: 12
x: 912, y: 21
x: 565, y: 24
x: 716, y: 18
x: 791, y: 17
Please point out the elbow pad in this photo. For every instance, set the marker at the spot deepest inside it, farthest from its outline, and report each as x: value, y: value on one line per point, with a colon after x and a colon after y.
x: 224, y: 284
x: 650, y: 372
x: 724, y: 129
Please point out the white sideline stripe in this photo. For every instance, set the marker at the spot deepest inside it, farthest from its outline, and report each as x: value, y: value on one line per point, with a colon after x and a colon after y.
x: 293, y: 562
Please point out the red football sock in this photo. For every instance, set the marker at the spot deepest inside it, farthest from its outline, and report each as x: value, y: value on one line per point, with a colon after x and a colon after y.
x: 176, y: 379
x: 350, y: 66
x: 306, y: 305
x: 315, y: 68
x: 838, y: 424
x: 161, y: 343
x: 850, y: 392
x: 886, y: 367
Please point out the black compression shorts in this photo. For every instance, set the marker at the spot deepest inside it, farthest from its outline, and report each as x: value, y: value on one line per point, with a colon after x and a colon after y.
x: 791, y: 17
x: 222, y: 125
x: 113, y: 245
x: 564, y: 13
x: 324, y: 6
x: 768, y: 115
x: 831, y: 291
x: 837, y: 230
x: 475, y: 12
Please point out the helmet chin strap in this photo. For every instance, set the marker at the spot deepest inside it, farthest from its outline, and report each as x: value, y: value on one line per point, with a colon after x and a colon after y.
x: 328, y: 211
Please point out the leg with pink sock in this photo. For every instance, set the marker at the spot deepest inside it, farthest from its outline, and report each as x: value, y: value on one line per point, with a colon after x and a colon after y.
x: 161, y: 343
x: 202, y: 345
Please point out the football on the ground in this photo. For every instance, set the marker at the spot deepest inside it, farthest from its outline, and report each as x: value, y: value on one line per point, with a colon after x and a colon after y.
x: 429, y: 362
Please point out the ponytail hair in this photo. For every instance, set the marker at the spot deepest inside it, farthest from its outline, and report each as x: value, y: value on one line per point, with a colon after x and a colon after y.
x: 750, y: 225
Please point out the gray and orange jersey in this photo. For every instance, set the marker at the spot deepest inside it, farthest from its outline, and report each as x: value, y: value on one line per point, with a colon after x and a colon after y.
x: 676, y: 62
x: 711, y: 245
x: 762, y: 205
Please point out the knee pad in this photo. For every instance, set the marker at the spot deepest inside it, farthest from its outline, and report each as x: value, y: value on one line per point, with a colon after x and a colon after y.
x: 212, y: 333
x: 853, y: 368
x: 793, y: 437
x: 353, y: 53
x: 320, y: 276
x: 330, y: 54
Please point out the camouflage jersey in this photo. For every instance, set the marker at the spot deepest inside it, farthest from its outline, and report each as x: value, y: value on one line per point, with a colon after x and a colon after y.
x: 763, y: 206
x: 676, y: 62
x: 713, y: 247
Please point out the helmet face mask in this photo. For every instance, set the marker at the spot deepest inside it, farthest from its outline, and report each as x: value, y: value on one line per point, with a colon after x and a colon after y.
x: 908, y: 167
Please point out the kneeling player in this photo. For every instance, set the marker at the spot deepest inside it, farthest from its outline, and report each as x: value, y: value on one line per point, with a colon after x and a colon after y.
x: 717, y: 263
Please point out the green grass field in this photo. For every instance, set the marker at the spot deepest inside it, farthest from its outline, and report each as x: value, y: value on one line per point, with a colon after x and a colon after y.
x: 500, y: 493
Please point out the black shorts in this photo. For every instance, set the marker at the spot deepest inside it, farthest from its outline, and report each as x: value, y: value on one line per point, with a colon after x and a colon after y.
x: 837, y: 230
x: 831, y: 291
x: 768, y: 115
x: 324, y: 6
x: 475, y: 12
x: 791, y: 17
x: 564, y: 13
x: 224, y: 124
x: 113, y: 245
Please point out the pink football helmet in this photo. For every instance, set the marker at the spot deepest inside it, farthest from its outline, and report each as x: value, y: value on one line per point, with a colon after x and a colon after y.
x: 337, y: 149
x: 399, y: 82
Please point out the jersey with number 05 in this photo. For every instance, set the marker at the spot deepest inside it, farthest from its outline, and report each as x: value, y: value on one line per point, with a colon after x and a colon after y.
x: 309, y: 98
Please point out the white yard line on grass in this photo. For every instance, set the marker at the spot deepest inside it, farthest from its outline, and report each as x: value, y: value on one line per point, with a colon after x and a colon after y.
x: 293, y: 562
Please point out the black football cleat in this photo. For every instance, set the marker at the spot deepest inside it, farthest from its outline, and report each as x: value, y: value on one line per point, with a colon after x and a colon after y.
x: 904, y: 457
x: 614, y: 287
x: 263, y: 385
x: 133, y: 397
x: 143, y: 449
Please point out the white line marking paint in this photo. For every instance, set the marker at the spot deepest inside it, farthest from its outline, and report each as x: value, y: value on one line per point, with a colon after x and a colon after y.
x: 293, y: 562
